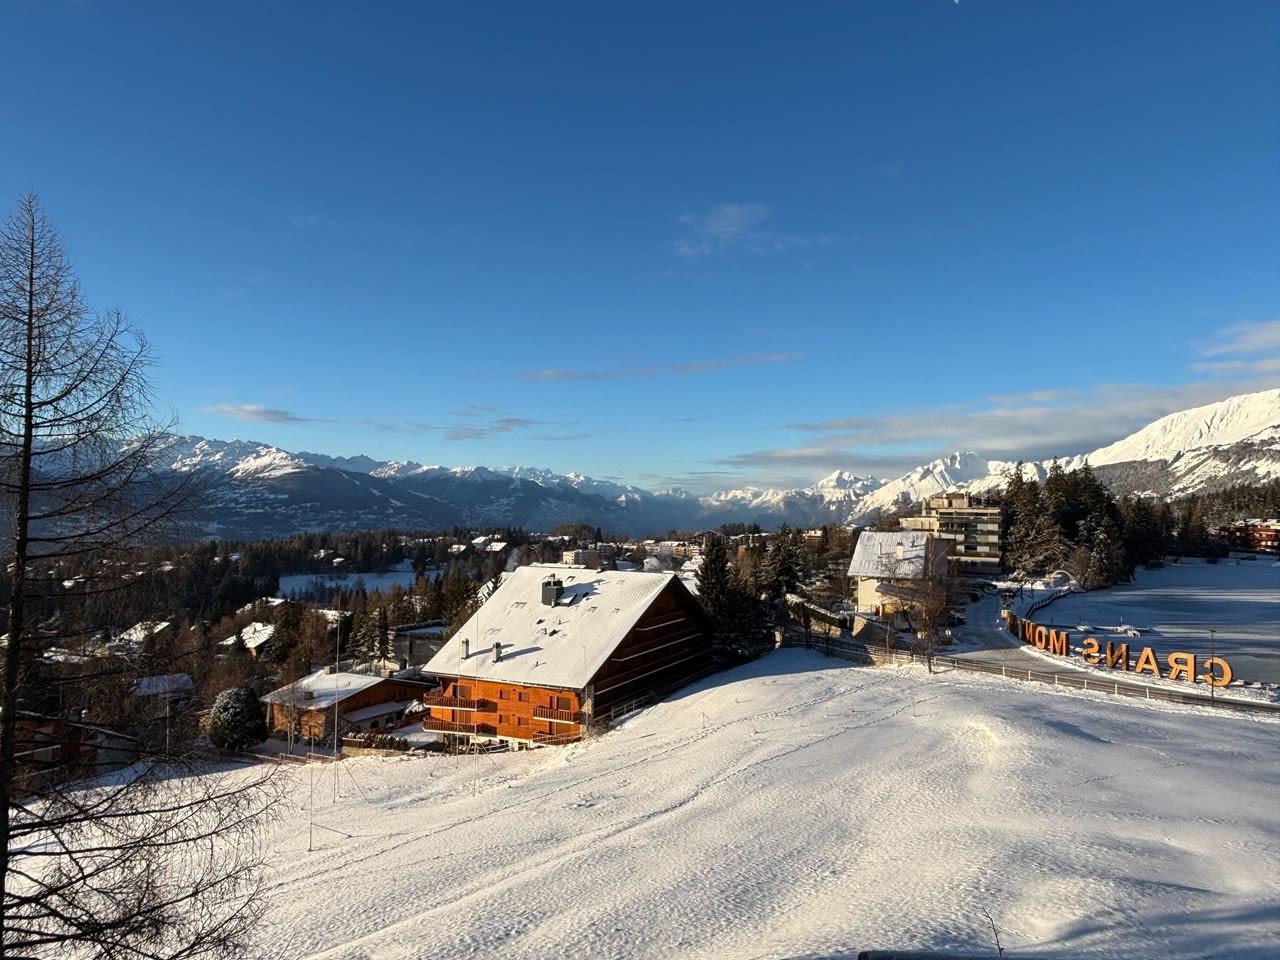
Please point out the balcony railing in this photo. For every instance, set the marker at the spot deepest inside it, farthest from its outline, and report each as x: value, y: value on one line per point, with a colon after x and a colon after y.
x: 457, y: 703
x: 450, y: 726
x: 557, y: 716
x: 556, y: 739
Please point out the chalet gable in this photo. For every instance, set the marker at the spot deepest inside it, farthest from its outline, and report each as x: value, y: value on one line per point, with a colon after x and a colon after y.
x: 550, y: 626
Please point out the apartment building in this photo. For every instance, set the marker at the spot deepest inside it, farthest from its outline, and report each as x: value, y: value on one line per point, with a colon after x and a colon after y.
x: 975, y: 527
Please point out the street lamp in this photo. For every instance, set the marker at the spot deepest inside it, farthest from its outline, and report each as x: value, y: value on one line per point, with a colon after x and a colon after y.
x: 1213, y: 653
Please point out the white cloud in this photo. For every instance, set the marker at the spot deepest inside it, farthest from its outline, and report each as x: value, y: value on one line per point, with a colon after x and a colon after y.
x: 1253, y: 349
x: 255, y: 413
x: 680, y: 369
x: 730, y: 227
x: 1034, y: 426
x: 1245, y: 338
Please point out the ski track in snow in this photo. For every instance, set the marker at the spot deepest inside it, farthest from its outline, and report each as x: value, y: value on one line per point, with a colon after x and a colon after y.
x: 800, y: 806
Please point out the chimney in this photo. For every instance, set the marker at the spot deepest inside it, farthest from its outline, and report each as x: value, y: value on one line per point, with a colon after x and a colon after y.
x: 552, y: 590
x: 466, y: 648
x: 497, y: 653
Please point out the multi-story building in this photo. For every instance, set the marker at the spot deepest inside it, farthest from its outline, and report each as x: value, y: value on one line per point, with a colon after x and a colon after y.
x: 976, y: 529
x: 1261, y: 536
x: 581, y: 558
x: 555, y: 648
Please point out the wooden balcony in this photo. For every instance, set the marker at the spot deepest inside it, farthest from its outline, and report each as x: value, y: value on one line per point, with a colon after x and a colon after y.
x: 457, y: 703
x: 557, y: 716
x: 556, y: 739
x: 449, y: 726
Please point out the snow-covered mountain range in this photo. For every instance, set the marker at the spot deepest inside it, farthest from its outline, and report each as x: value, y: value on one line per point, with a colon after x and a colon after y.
x: 255, y: 490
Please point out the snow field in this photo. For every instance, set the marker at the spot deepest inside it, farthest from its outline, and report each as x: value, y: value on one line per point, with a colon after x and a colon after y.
x: 1179, y: 604
x: 800, y: 806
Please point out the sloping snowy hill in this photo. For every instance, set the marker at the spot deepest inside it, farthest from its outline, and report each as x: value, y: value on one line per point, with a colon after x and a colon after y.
x: 1227, y: 422
x: 802, y: 807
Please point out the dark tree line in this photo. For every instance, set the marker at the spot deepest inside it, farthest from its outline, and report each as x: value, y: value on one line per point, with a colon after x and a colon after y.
x: 1073, y: 522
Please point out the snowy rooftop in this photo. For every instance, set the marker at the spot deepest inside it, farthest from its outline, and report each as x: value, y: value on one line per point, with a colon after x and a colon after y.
x: 319, y: 690
x: 562, y: 645
x: 141, y: 631
x: 376, y: 710
x: 896, y: 554
x: 164, y: 686
x: 256, y: 634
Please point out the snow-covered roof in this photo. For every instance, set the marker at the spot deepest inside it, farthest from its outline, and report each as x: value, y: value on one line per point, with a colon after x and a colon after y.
x: 256, y: 634
x: 147, y: 628
x: 893, y: 555
x: 376, y: 710
x: 169, y: 685
x: 319, y: 690
x: 561, y: 645
x: 261, y: 602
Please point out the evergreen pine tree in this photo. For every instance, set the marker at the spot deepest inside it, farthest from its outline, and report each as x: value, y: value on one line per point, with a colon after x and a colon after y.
x: 713, y: 577
x: 236, y: 720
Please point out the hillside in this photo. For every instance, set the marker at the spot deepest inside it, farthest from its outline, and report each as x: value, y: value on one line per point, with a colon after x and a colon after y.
x: 802, y: 807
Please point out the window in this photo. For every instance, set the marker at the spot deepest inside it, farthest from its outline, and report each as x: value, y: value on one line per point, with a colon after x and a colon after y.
x: 561, y: 703
x: 461, y: 692
x: 504, y: 694
x: 522, y: 721
x: 523, y: 696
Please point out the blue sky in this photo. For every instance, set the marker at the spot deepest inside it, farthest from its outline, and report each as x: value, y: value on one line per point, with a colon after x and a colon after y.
x: 705, y: 245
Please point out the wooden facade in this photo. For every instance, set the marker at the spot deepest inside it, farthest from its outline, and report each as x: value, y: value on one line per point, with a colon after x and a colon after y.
x: 668, y: 645
x: 484, y: 709
x: 307, y: 720
x: 49, y: 750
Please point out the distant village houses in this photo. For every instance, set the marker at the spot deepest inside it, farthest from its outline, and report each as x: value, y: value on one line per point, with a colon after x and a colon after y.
x: 1252, y: 536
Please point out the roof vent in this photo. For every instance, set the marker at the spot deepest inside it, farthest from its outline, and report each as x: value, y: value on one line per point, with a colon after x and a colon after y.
x: 308, y: 695
x: 552, y: 590
x: 497, y: 653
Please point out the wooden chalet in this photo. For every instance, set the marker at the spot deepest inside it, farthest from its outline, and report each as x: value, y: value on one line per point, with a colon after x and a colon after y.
x: 554, y: 648
x: 358, y: 701
x: 50, y: 750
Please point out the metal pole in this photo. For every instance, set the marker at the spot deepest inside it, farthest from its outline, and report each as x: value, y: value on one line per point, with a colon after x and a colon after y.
x: 1213, y: 653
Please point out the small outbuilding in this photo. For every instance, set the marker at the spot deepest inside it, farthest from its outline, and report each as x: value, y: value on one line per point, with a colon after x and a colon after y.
x: 358, y: 701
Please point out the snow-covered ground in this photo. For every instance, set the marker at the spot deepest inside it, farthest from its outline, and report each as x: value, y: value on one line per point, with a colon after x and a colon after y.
x: 1176, y: 606
x: 301, y: 583
x: 804, y: 807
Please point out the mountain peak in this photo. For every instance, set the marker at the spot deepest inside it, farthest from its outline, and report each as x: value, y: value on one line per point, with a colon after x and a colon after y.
x: 1213, y: 424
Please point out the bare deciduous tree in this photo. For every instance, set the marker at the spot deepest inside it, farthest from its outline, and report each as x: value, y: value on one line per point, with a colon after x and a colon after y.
x: 155, y: 863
